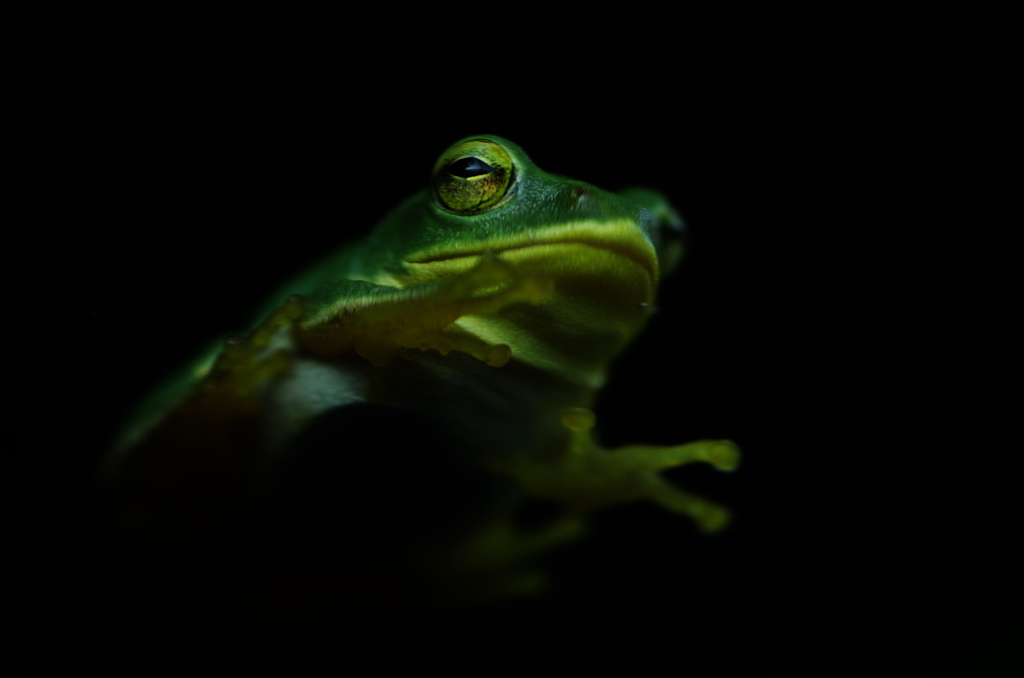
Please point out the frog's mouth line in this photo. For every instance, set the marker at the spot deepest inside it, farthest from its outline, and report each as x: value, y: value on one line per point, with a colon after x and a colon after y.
x: 624, y: 243
x: 647, y: 264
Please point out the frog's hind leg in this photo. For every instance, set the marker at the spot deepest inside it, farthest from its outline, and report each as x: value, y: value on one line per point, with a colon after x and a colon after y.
x: 497, y: 562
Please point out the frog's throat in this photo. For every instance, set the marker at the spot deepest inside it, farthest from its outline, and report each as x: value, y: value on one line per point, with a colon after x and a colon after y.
x: 602, y: 281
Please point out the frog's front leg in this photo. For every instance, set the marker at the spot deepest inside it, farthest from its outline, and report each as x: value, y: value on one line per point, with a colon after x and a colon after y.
x: 386, y: 322
x: 585, y: 476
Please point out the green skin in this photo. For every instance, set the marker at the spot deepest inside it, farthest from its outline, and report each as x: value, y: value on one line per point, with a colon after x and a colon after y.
x: 488, y: 306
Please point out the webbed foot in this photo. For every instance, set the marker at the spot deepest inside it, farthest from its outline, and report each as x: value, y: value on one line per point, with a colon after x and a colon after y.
x: 587, y: 476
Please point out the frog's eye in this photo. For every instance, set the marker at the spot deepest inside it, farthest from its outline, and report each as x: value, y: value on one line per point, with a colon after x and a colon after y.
x: 473, y: 176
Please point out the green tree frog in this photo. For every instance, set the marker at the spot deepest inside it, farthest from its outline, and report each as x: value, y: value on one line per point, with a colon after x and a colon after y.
x: 381, y: 426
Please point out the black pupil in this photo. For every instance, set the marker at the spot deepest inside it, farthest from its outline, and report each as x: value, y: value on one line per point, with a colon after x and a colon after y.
x: 469, y: 167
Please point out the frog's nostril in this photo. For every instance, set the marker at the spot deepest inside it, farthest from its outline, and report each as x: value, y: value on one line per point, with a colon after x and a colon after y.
x: 646, y: 221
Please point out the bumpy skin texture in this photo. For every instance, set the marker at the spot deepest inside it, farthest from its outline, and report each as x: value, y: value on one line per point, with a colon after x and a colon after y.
x: 379, y: 428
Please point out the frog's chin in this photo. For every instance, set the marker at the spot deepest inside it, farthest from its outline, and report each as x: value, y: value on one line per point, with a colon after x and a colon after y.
x: 566, y: 307
x: 592, y: 301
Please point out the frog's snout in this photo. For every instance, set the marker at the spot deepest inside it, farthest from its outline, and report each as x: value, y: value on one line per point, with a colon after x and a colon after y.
x: 645, y: 221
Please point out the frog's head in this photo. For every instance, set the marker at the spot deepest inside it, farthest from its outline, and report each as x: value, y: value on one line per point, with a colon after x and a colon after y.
x: 486, y: 195
x: 603, y: 252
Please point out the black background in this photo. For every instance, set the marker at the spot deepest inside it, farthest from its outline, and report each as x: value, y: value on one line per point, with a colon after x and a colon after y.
x: 815, y: 320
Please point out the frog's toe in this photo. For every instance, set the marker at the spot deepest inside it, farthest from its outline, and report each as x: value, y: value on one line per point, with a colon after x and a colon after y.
x: 724, y: 455
x: 709, y: 516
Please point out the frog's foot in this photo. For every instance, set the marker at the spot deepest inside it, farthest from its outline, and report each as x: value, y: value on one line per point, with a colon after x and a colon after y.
x: 388, y: 322
x: 189, y: 467
x: 245, y: 363
x: 496, y: 562
x: 587, y: 476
